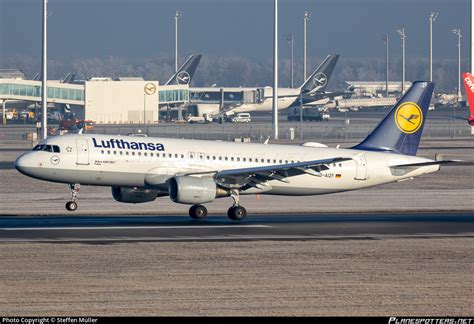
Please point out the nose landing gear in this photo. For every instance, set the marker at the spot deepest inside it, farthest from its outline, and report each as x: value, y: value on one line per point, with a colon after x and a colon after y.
x: 72, y: 205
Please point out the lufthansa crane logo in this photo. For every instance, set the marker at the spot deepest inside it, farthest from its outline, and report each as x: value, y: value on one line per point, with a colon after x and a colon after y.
x: 183, y: 78
x: 408, y: 117
x: 150, y: 88
x: 320, y: 79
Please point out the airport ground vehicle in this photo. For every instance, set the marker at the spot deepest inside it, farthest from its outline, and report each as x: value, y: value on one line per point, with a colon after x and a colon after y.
x: 204, y: 119
x: 196, y: 172
x: 241, y: 118
x: 309, y: 114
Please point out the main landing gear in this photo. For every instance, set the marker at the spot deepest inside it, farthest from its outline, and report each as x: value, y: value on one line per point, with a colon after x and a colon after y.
x: 198, y: 212
x: 236, y: 212
x: 72, y: 205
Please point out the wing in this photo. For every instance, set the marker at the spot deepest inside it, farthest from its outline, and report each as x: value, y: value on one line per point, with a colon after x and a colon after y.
x: 257, y: 177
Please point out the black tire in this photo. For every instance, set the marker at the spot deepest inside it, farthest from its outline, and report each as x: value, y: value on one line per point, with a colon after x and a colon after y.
x: 237, y: 213
x: 198, y: 212
x: 71, y: 205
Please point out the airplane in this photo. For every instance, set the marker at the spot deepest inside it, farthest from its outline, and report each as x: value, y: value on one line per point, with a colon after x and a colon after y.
x: 312, y: 89
x: 469, y: 86
x: 196, y: 172
x: 185, y: 73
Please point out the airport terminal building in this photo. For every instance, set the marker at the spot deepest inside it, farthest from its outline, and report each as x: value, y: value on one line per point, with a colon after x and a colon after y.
x: 103, y: 100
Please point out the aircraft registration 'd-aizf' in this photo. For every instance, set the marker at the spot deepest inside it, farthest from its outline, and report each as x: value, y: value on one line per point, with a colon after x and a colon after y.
x: 195, y: 172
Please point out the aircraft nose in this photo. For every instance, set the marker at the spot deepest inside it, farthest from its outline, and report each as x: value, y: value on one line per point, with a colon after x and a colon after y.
x: 23, y: 163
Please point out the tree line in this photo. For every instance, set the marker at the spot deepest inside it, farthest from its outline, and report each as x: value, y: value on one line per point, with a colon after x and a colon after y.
x: 235, y: 71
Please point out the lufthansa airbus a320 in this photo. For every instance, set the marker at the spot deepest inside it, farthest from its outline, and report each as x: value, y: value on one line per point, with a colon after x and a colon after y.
x: 196, y: 172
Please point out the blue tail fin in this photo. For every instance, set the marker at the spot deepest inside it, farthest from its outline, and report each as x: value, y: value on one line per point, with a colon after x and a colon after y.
x: 400, y: 131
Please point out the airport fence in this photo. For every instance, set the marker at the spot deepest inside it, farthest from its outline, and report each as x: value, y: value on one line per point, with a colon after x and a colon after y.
x: 257, y: 132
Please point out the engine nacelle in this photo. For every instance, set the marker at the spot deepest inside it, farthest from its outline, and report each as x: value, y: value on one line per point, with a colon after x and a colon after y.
x: 192, y: 190
x: 134, y: 195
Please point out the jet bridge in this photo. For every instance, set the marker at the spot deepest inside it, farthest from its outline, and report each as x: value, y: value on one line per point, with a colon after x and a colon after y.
x: 226, y: 96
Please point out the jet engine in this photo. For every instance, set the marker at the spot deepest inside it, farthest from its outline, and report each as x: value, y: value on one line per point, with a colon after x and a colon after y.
x: 134, y: 195
x: 192, y: 190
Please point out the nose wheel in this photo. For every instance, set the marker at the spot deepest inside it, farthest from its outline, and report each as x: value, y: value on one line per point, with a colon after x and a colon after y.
x: 72, y: 205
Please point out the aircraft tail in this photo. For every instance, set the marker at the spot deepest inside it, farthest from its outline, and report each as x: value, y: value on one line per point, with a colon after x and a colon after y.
x: 185, y: 73
x: 468, y: 79
x: 400, y: 131
x: 319, y: 79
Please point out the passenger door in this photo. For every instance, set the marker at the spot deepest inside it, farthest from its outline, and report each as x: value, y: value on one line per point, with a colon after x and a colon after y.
x: 82, y: 146
x: 361, y: 166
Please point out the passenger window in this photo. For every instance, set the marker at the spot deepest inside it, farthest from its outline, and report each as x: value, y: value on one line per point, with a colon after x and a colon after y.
x: 238, y: 159
x: 232, y: 158
x: 176, y: 155
x: 133, y: 153
x: 126, y: 152
x: 115, y: 152
x: 182, y: 156
x: 170, y: 155
x: 226, y: 158
x: 244, y: 159
x: 108, y: 152
x: 268, y: 160
x: 145, y: 154
x: 102, y: 151
x: 121, y: 152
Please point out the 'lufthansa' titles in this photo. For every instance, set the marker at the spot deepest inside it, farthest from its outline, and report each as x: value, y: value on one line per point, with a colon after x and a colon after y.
x: 121, y: 144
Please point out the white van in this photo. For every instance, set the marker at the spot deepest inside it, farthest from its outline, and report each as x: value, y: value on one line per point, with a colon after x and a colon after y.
x: 241, y: 118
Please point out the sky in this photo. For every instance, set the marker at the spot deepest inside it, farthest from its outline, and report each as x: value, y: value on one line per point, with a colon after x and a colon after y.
x: 137, y: 29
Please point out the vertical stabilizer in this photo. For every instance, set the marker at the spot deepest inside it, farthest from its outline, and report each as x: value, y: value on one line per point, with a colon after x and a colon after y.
x: 400, y: 131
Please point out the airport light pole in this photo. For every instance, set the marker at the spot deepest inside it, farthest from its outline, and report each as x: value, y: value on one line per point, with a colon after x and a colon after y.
x: 176, y: 17
x: 307, y: 14
x: 385, y: 40
x: 44, y: 62
x: 433, y: 16
x: 275, y: 71
x: 291, y: 41
x: 457, y: 32
x: 402, y: 34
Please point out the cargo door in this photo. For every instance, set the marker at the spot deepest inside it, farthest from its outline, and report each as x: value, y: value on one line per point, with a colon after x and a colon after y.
x: 82, y: 146
x: 361, y: 167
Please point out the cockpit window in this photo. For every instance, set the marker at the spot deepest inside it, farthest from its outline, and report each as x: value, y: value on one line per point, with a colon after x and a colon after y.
x: 47, y: 148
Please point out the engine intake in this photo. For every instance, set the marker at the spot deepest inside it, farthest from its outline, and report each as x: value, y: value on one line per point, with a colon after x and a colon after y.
x: 192, y: 190
x: 134, y: 195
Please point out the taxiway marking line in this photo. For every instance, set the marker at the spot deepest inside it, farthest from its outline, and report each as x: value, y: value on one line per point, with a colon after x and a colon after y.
x: 128, y: 227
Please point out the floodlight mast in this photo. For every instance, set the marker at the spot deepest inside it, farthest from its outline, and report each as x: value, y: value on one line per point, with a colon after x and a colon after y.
x: 177, y: 15
x: 275, y: 71
x: 385, y: 39
x: 44, y: 79
x: 402, y: 34
x: 457, y: 33
x: 433, y: 16
x: 307, y: 14
x: 291, y: 41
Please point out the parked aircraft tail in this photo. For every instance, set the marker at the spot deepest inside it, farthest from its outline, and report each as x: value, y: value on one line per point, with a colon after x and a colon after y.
x: 319, y: 79
x: 468, y: 79
x: 400, y: 131
x: 186, y: 71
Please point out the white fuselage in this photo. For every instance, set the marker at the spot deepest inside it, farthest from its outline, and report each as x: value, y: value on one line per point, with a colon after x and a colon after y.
x: 104, y: 160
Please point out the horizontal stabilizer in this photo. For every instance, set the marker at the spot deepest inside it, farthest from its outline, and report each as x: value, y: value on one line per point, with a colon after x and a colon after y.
x: 420, y: 164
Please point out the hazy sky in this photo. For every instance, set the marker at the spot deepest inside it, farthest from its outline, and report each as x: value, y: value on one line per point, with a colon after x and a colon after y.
x: 143, y: 28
